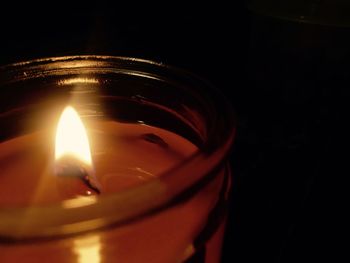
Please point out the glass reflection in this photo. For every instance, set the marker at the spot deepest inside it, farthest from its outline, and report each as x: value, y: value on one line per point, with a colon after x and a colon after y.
x: 88, y: 249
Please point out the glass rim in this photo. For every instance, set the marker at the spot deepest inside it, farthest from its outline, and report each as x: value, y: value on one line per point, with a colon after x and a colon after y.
x: 127, y: 205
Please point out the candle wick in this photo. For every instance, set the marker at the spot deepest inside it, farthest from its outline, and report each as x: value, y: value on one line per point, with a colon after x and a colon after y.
x: 89, y: 183
x: 67, y: 168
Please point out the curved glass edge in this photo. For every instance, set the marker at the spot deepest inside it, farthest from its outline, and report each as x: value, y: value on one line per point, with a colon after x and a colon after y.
x: 129, y: 204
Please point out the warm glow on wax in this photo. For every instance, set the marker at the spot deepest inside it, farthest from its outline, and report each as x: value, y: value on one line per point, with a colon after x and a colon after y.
x: 71, y: 137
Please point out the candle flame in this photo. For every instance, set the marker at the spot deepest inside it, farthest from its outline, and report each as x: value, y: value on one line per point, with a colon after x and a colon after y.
x: 71, y: 137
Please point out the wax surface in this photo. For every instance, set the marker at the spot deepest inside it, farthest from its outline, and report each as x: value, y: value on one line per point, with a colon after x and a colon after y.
x: 124, y: 155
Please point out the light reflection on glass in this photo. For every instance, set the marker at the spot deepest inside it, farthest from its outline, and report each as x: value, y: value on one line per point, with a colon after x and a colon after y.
x: 88, y: 249
x: 189, y: 251
x: 79, y: 201
x: 77, y: 80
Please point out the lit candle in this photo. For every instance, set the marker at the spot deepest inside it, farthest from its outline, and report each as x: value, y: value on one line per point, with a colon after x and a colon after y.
x: 124, y: 155
x: 101, y: 190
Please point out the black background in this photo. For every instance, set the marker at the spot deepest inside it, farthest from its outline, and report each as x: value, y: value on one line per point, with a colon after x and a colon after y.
x: 287, y: 81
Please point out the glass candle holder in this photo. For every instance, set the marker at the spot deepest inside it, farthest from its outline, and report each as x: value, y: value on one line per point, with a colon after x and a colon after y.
x: 159, y: 141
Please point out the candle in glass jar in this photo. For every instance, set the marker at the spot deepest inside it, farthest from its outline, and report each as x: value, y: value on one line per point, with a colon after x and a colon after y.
x: 124, y: 156
x: 146, y: 193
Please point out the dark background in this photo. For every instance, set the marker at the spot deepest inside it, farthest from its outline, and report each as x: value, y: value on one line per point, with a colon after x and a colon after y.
x: 287, y: 81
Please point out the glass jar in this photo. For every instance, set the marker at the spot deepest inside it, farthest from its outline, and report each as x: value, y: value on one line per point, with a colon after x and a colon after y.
x: 176, y: 216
